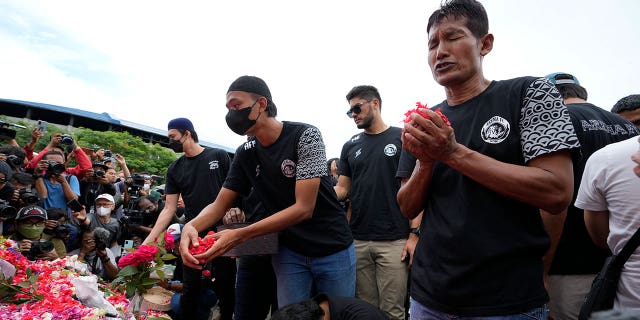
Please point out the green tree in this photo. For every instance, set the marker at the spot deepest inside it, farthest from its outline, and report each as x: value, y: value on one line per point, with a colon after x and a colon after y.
x: 140, y: 156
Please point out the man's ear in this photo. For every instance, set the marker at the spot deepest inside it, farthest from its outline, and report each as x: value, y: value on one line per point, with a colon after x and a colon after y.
x: 486, y: 44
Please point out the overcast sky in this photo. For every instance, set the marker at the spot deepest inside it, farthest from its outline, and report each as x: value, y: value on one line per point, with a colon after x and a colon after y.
x: 151, y: 61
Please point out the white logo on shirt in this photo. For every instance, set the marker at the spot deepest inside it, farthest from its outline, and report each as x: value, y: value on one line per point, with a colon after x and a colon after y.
x: 390, y: 150
x: 288, y: 168
x: 356, y: 138
x: 213, y: 165
x: 495, y: 130
x: 249, y: 144
x: 358, y: 153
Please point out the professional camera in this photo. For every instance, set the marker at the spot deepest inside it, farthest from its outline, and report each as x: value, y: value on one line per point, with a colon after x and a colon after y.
x: 100, y: 245
x: 60, y: 231
x: 55, y: 168
x: 7, y: 211
x: 14, y: 160
x: 107, y: 153
x: 98, y: 173
x: 38, y: 248
x: 66, y: 139
x: 27, y: 196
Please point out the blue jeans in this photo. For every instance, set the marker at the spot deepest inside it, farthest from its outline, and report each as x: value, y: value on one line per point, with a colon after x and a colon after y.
x: 298, y: 275
x: 255, y: 288
x: 420, y: 312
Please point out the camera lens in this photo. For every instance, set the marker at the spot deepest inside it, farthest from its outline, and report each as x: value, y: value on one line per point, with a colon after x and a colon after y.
x: 99, y: 173
x: 56, y: 168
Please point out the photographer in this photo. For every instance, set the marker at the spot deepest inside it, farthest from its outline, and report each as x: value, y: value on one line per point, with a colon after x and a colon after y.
x: 94, y: 253
x: 24, y: 193
x: 57, y: 188
x: 55, y: 228
x: 6, y: 189
x: 14, y: 157
x: 29, y: 235
x: 67, y: 145
x: 97, y: 181
x: 104, y: 206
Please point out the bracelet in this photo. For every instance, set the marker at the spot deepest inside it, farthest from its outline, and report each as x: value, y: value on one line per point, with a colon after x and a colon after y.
x: 37, y: 176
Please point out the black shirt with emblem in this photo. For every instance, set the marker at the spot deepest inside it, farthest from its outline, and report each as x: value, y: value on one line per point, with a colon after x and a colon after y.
x: 371, y: 161
x: 480, y: 253
x: 595, y: 128
x: 198, y: 179
x: 298, y: 154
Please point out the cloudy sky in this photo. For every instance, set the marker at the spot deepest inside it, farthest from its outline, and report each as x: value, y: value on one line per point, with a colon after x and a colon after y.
x: 151, y: 61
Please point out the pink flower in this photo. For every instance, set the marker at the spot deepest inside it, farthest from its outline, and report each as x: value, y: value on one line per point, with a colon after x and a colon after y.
x: 147, y: 252
x: 130, y: 259
x: 169, y: 241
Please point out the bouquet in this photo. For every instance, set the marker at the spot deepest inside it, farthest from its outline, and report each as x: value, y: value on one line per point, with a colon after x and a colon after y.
x: 136, y: 267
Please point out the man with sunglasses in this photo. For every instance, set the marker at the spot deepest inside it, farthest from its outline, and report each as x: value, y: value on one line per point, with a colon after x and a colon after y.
x: 367, y: 168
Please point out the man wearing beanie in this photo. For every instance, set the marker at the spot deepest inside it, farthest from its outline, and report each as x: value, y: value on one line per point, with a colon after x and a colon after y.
x: 197, y: 176
x: 284, y: 163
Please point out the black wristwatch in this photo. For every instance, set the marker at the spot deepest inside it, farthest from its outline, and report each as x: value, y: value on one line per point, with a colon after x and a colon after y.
x: 415, y: 231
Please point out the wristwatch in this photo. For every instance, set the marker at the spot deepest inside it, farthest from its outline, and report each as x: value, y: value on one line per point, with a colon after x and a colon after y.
x: 415, y: 231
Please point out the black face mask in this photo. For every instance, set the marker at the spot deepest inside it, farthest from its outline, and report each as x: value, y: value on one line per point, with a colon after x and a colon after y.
x: 175, y: 145
x: 238, y: 120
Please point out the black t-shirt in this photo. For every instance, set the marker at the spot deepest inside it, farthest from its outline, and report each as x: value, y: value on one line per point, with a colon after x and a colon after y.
x: 198, y: 179
x: 272, y: 172
x: 480, y: 253
x: 346, y: 308
x: 371, y: 161
x: 595, y: 128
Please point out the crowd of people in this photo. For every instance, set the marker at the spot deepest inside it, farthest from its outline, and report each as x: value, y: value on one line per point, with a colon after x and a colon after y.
x: 501, y: 202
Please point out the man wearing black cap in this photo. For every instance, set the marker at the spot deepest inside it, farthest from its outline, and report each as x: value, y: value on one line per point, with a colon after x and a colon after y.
x: 284, y: 163
x: 197, y: 176
x: 573, y: 259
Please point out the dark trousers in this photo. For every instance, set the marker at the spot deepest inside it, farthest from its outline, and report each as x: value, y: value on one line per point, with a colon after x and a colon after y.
x: 255, y: 288
x: 224, y: 273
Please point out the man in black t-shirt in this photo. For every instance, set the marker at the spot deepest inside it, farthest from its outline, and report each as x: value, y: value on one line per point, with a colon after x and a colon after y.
x: 368, y: 164
x: 285, y: 165
x: 573, y: 259
x: 482, y: 178
x: 197, y: 176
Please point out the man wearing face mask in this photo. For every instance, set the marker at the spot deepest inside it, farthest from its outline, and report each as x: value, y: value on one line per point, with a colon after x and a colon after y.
x: 30, y: 222
x: 197, y: 176
x: 102, y: 217
x: 284, y: 163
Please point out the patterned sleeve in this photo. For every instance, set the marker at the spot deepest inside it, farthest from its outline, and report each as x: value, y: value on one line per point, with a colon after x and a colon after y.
x: 545, y: 125
x: 312, y: 158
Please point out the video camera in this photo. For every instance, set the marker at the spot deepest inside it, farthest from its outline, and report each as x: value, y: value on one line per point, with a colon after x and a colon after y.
x: 7, y: 211
x: 38, y: 248
x: 5, y: 132
x: 134, y: 217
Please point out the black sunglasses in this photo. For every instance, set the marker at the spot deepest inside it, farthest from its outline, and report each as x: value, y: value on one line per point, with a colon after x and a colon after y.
x: 357, y: 108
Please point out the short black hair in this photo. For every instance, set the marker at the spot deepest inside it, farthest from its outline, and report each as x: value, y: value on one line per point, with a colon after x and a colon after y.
x: 194, y: 135
x: 364, y: 92
x: 572, y: 91
x: 54, y: 152
x: 477, y: 20
x: 23, y: 178
x: 13, y: 150
x: 272, y: 110
x: 56, y: 213
x: 304, y: 310
x: 628, y: 103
